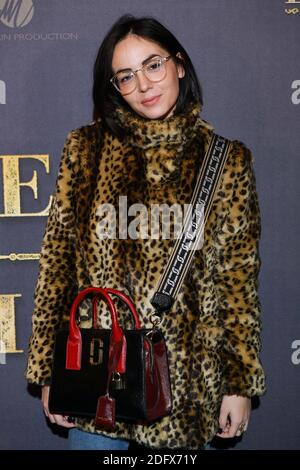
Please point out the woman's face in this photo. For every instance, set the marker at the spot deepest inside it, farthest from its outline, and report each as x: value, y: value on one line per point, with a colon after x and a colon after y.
x: 152, y: 100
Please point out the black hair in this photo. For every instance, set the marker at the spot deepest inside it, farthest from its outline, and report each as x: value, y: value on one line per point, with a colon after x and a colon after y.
x: 107, y: 98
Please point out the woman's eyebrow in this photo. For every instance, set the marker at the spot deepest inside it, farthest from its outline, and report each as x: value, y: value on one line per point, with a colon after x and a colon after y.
x: 144, y: 61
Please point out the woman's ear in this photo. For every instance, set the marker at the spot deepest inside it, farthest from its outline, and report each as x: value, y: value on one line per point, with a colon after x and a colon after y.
x: 180, y: 67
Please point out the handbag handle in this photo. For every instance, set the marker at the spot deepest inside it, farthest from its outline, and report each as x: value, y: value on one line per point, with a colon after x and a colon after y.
x: 74, y: 343
x: 126, y: 300
x: 130, y: 304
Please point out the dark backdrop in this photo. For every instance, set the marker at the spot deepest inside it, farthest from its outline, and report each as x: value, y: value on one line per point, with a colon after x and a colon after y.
x: 247, y: 56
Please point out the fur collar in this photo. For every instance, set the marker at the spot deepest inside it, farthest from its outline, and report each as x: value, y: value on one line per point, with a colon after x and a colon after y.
x: 162, y: 143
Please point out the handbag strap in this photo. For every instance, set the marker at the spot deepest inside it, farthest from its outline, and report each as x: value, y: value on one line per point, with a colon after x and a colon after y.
x: 180, y: 259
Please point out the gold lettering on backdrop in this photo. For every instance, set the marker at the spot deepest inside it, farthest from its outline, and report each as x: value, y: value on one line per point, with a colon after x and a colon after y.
x: 20, y: 256
x: 292, y: 11
x: 12, y: 185
x: 8, y: 324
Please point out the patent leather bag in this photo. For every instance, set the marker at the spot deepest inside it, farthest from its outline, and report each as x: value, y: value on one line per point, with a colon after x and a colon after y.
x: 110, y: 374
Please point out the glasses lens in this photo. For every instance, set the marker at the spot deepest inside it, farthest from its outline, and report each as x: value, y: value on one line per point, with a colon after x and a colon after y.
x: 124, y: 81
x: 155, y: 70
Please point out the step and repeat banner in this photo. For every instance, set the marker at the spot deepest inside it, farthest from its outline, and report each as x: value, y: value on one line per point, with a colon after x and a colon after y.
x: 247, y: 56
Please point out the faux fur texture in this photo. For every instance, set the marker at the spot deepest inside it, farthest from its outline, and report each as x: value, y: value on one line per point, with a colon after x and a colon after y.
x: 213, y: 329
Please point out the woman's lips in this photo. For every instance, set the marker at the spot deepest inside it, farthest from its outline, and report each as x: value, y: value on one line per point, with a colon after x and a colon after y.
x: 151, y: 101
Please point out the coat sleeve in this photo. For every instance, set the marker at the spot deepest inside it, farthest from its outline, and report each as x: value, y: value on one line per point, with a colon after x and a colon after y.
x: 237, y: 269
x: 56, y: 285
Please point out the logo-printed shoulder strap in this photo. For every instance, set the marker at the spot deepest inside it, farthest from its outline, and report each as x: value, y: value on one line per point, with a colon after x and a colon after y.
x: 185, y: 246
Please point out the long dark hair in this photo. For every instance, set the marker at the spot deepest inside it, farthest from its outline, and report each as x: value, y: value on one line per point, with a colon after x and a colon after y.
x: 107, y: 98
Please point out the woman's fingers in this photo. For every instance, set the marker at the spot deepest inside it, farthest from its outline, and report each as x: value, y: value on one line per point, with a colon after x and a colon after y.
x: 233, y: 429
x: 61, y: 420
x: 234, y: 416
x: 242, y: 428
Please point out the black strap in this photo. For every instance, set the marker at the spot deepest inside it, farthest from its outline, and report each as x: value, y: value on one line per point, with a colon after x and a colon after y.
x: 193, y: 230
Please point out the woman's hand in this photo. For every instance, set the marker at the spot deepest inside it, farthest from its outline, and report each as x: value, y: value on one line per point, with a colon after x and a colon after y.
x: 55, y: 419
x: 234, y: 415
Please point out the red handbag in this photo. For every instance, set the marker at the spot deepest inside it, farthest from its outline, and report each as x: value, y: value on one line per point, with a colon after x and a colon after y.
x: 110, y: 374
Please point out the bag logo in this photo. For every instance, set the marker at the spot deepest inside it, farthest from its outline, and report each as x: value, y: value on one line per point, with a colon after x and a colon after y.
x: 96, y: 352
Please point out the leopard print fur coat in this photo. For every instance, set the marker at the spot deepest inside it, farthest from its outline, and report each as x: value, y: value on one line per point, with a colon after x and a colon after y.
x: 213, y: 329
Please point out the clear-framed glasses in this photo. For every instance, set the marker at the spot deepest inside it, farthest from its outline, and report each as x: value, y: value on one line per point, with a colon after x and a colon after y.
x: 154, y: 69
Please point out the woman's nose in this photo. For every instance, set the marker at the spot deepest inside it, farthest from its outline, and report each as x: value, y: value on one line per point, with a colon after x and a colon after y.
x: 143, y: 83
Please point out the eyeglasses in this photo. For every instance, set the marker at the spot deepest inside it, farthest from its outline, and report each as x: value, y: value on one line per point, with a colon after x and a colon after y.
x: 154, y: 69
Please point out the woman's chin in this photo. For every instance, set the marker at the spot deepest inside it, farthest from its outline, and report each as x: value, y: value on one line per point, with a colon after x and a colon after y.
x: 156, y: 113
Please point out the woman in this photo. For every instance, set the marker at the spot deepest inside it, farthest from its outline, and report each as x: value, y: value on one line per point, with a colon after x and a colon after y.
x: 147, y: 144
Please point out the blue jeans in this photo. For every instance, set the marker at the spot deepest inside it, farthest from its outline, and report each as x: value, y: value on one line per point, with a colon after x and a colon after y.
x: 80, y: 440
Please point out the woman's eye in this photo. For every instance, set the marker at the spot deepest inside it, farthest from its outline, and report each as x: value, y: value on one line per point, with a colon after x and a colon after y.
x: 125, y: 79
x: 154, y: 65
